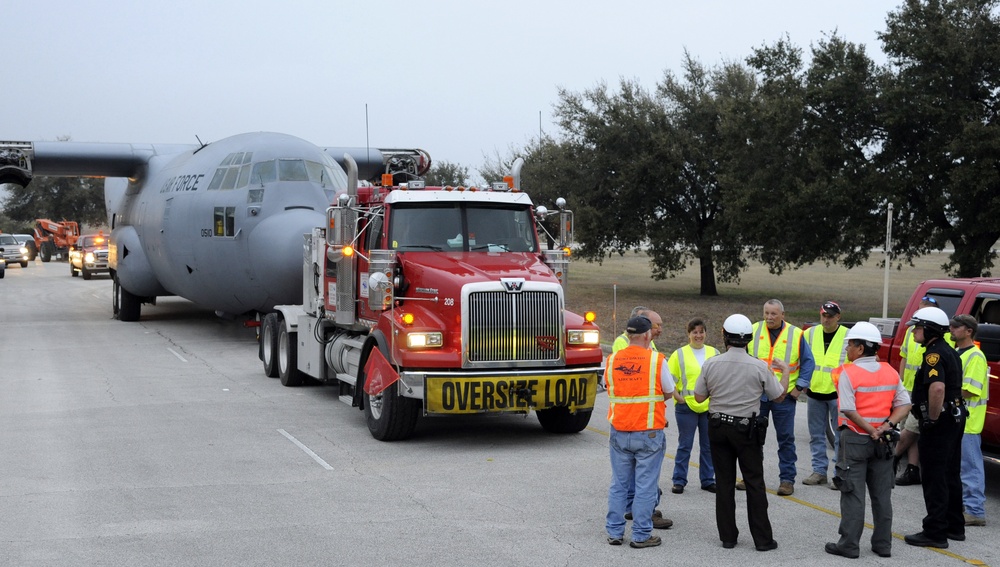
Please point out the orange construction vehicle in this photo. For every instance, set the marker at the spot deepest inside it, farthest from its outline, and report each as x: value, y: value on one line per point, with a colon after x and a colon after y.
x: 55, y: 238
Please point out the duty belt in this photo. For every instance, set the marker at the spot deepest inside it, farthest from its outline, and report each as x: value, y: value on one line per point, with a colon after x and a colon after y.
x: 730, y: 419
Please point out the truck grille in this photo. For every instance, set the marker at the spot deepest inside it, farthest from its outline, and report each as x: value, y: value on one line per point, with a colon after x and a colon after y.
x: 514, y: 327
x: 101, y: 255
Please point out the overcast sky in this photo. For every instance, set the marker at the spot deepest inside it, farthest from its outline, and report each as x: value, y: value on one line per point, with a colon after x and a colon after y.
x: 460, y: 79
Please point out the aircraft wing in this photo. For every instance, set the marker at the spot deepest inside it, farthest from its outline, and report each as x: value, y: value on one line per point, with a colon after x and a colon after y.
x: 20, y: 161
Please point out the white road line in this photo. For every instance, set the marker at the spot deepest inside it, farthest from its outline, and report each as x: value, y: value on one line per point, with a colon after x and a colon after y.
x: 174, y: 352
x: 307, y: 450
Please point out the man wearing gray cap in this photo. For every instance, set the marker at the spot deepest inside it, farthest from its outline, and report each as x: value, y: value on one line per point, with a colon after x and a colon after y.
x: 638, y: 385
x: 976, y: 392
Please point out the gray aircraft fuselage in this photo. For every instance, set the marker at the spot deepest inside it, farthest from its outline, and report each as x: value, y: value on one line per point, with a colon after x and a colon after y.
x: 221, y: 225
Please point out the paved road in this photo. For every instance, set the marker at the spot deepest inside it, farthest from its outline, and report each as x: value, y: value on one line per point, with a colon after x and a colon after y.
x: 162, y: 443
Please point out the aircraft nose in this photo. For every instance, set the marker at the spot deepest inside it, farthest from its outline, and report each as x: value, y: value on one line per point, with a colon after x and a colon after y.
x: 275, y: 247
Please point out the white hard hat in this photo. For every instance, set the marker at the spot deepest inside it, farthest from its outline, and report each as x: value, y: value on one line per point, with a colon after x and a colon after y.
x: 738, y: 325
x: 865, y: 331
x: 931, y: 317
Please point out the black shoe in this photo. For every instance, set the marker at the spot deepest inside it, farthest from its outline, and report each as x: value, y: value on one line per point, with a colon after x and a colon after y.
x: 956, y: 536
x: 728, y: 544
x: 921, y: 540
x: 614, y: 540
x: 910, y: 476
x: 881, y: 553
x: 832, y: 549
x: 709, y: 488
x: 677, y: 489
x: 768, y: 546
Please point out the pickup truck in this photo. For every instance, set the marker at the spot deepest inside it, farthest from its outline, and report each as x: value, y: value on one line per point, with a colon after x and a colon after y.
x: 979, y: 297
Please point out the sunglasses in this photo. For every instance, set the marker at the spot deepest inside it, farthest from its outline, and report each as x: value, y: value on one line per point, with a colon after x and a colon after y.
x: 929, y: 299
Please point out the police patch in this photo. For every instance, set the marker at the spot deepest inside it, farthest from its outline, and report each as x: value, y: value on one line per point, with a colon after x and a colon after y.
x: 932, y: 358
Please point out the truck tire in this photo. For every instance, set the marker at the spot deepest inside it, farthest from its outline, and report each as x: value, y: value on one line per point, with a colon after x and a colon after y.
x: 561, y: 420
x: 126, y: 306
x: 72, y: 270
x: 2, y: 270
x: 24, y: 263
x: 269, y: 344
x: 390, y: 417
x: 32, y: 250
x: 288, y: 369
x: 46, y: 252
x: 85, y: 273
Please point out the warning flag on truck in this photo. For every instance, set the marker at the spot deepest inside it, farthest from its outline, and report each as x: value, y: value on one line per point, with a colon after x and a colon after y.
x: 379, y: 373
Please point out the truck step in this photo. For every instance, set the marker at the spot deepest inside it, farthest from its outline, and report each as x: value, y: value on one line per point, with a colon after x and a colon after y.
x: 347, y: 399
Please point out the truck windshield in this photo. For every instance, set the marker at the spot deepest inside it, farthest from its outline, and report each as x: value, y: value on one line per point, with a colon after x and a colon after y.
x: 471, y: 227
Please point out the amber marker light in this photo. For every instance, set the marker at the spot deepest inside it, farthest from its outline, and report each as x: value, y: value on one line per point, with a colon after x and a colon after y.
x: 567, y: 250
x: 590, y: 316
x: 347, y: 251
x: 407, y: 318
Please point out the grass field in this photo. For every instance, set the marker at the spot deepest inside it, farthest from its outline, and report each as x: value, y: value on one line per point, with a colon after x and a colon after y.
x: 620, y: 283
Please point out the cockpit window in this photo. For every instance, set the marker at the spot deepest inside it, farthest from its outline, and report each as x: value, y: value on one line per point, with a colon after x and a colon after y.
x: 473, y: 227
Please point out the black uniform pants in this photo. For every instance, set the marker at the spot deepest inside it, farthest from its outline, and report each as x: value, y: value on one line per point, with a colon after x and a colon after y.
x: 940, y: 475
x: 730, y: 446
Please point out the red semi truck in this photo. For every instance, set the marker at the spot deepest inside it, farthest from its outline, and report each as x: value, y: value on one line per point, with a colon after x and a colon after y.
x: 979, y: 297
x: 425, y: 301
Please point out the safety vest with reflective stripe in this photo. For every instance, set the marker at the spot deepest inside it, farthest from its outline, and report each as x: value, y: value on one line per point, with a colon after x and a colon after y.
x: 913, y: 353
x: 635, y: 394
x: 684, y: 366
x: 873, y: 393
x: 975, y: 379
x: 621, y: 341
x: 826, y: 360
x: 785, y: 348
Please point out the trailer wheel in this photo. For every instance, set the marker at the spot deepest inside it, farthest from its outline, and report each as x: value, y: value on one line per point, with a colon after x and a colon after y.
x: 561, y: 420
x: 269, y: 344
x: 288, y: 368
x: 390, y: 417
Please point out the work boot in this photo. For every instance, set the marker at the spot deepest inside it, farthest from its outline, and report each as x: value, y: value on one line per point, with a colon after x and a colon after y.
x: 971, y: 520
x: 652, y: 541
x: 740, y: 485
x: 910, y: 476
x: 662, y: 523
x: 786, y: 489
x: 815, y: 478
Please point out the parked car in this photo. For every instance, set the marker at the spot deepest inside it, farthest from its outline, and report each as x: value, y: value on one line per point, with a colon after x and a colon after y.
x: 28, y: 241
x: 12, y: 251
x: 89, y: 256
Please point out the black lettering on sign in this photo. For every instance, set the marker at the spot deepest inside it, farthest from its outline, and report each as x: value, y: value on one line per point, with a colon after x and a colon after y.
x: 476, y: 398
x: 488, y: 391
x: 448, y: 396
x: 463, y: 396
x: 561, y: 392
x: 502, y: 389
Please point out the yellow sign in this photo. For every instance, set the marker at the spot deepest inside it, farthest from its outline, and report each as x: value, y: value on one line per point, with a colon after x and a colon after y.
x: 479, y: 394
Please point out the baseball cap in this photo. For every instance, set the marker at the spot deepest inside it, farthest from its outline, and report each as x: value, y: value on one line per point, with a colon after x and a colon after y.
x: 964, y: 321
x: 638, y: 325
x: 830, y: 308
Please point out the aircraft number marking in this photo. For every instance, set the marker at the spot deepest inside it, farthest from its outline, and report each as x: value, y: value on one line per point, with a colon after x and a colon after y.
x: 206, y: 233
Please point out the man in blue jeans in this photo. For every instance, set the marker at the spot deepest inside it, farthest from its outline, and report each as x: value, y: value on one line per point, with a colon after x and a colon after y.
x: 638, y: 385
x: 773, y: 338
x: 829, y: 349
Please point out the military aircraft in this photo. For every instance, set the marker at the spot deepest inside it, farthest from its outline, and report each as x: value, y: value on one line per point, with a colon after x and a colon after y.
x: 220, y: 224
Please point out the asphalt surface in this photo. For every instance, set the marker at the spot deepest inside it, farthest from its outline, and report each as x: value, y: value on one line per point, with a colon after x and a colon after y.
x: 163, y: 443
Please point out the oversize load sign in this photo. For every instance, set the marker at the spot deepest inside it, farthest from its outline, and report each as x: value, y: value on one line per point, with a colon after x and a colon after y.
x: 505, y: 393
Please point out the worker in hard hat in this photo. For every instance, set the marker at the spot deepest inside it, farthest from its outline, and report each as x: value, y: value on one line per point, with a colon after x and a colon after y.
x: 938, y: 404
x: 734, y: 382
x: 872, y: 401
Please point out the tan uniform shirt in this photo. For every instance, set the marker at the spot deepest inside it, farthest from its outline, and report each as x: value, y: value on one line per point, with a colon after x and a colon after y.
x: 734, y: 382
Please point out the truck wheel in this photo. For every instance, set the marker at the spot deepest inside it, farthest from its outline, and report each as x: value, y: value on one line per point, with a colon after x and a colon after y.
x: 72, y: 270
x: 46, y: 252
x: 389, y: 416
x: 24, y: 263
x: 561, y: 420
x: 126, y: 306
x: 32, y: 250
x: 269, y: 344
x: 288, y: 368
x: 1, y: 273
x: 86, y: 273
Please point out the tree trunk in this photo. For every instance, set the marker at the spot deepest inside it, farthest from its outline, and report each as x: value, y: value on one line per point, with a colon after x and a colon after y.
x: 974, y: 257
x: 707, y: 273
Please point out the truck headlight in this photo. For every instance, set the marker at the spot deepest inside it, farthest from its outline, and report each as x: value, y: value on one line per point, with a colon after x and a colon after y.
x: 89, y: 258
x: 23, y: 250
x: 424, y: 340
x: 588, y: 337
